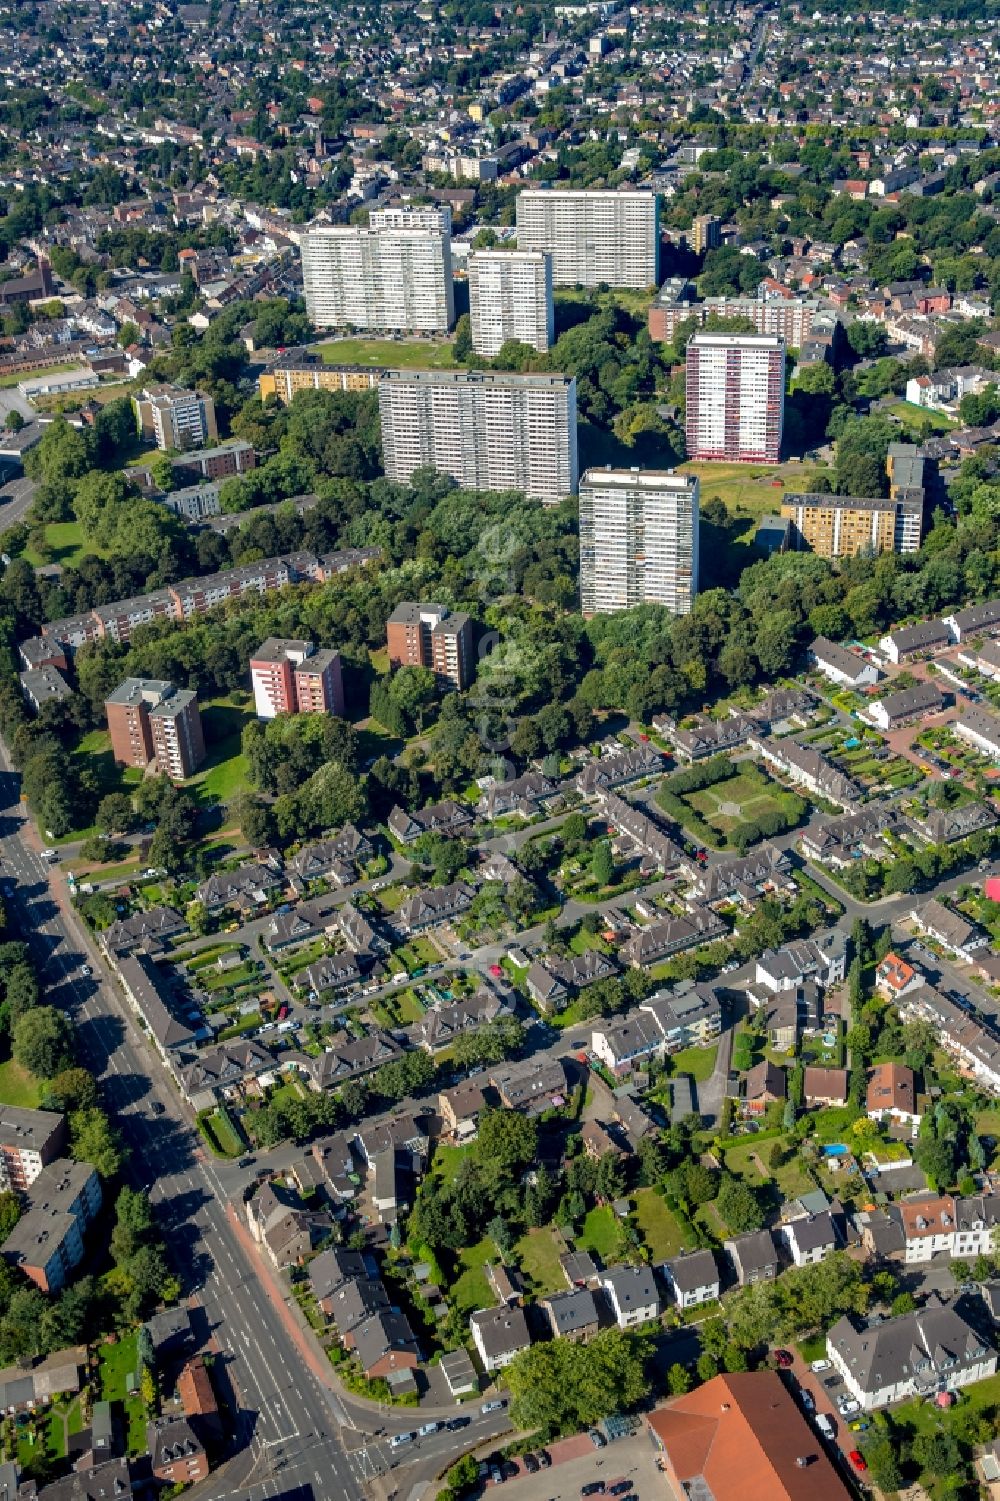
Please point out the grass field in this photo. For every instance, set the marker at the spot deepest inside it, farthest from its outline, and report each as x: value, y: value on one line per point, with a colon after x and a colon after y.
x: 67, y: 543
x: 118, y: 1362
x: 396, y: 354
x: 470, y: 1290
x: 225, y: 768
x: 600, y: 1232
x: 698, y: 1062
x: 920, y: 418
x: 660, y: 1229
x: 538, y: 1254
x: 7, y: 382
x: 18, y: 1087
x: 742, y: 793
x: 751, y: 489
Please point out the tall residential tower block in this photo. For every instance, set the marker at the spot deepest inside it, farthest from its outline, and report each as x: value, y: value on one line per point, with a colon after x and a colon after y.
x: 488, y: 430
x: 638, y: 540
x: 593, y: 235
x: 396, y: 279
x: 735, y: 395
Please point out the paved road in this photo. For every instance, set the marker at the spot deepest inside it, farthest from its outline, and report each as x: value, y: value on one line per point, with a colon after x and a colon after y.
x: 15, y: 498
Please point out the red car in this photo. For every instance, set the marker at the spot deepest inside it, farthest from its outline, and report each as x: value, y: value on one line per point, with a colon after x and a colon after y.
x: 784, y: 1358
x: 858, y: 1461
x: 496, y: 971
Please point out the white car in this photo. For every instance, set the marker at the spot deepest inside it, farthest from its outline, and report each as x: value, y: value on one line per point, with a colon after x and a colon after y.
x: 825, y: 1425
x: 848, y: 1407
x: 399, y: 1439
x: 50, y: 854
x: 428, y: 1428
x: 820, y: 1365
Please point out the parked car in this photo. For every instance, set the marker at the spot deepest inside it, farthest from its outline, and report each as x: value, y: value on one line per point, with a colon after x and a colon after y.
x: 454, y: 1424
x: 497, y: 1405
x: 825, y: 1425
x: 784, y: 1358
x: 531, y: 1464
x: 597, y: 1439
x: 496, y: 1476
x: 156, y: 1108
x: 544, y: 1458
x: 399, y: 1439
x: 847, y: 1406
x: 858, y: 1461
x: 808, y: 1400
x: 820, y: 1365
x: 619, y: 1487
x: 595, y: 1488
x: 246, y: 1161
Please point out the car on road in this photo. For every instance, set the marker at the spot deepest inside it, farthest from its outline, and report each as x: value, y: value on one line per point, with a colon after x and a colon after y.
x: 531, y: 1464
x: 399, y: 1439
x: 820, y: 1365
x: 50, y: 854
x: 595, y: 1488
x: 497, y: 1405
x: 427, y: 1428
x: 597, y: 1439
x: 858, y: 1461
x: 784, y: 1358
x: 246, y: 1161
x: 156, y: 1108
x: 454, y: 1424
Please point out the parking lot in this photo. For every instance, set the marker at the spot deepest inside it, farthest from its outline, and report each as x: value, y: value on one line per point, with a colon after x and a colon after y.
x: 824, y: 1388
x: 576, y: 1463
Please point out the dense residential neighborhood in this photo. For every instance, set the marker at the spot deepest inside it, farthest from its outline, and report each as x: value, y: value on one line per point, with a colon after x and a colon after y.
x: 499, y: 740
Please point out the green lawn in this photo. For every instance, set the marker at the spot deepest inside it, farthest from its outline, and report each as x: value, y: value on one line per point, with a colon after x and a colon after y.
x: 448, y: 1160
x: 660, y: 1228
x: 744, y: 793
x: 921, y: 418
x: 470, y: 1290
x: 9, y: 381
x: 538, y: 1254
x: 223, y: 1134
x: 67, y: 545
x: 18, y: 1087
x: 749, y: 489
x: 416, y: 954
x: 225, y: 770
x: 698, y: 1062
x: 118, y: 1361
x: 601, y: 1232
x: 393, y: 354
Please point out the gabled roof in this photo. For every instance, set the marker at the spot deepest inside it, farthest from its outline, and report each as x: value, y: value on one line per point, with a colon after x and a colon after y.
x: 741, y: 1436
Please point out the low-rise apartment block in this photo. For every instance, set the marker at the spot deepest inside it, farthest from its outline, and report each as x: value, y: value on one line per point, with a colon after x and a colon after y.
x: 916, y: 1355
x: 29, y: 1141
x: 46, y: 1244
x: 839, y: 526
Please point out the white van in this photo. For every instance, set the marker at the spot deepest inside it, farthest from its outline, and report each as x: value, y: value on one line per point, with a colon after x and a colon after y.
x: 399, y: 1439
x: 824, y: 1424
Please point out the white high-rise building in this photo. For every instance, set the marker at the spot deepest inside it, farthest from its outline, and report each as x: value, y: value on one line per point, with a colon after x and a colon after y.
x: 510, y: 297
x: 396, y: 279
x: 593, y: 235
x: 489, y: 431
x: 735, y: 397
x: 420, y: 216
x: 638, y: 540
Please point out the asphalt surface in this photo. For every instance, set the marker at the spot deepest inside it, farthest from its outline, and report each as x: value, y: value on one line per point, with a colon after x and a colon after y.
x: 15, y: 498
